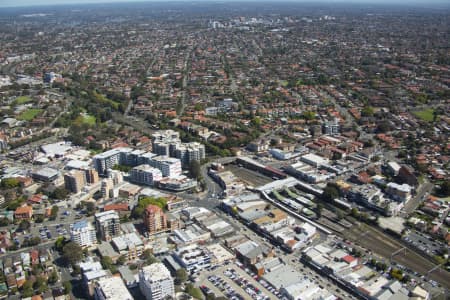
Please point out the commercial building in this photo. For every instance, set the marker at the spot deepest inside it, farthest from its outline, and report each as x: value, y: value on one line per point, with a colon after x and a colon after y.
x: 107, y: 224
x: 74, y: 181
x: 111, y: 288
x: 155, y: 282
x: 307, y: 173
x: 177, y: 184
x: 399, y: 192
x: 154, y: 219
x: 314, y: 160
x: 23, y: 212
x: 193, y: 258
x: 145, y: 174
x: 349, y: 272
x: 45, y: 174
x: 83, y: 233
x: 91, y: 273
x: 129, y: 244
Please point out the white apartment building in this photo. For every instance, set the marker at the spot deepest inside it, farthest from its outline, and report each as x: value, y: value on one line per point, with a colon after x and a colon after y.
x: 169, y: 166
x: 145, y: 174
x: 155, y: 282
x: 106, y: 160
x: 111, y: 288
x: 83, y: 233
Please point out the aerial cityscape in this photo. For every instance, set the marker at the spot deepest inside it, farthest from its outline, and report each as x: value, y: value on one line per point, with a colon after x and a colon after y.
x: 224, y: 150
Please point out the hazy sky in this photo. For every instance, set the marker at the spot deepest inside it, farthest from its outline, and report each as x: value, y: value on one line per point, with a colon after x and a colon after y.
x: 13, y: 3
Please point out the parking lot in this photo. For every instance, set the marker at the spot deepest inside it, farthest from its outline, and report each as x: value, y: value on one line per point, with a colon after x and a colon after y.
x: 423, y: 243
x: 44, y: 232
x: 235, y: 283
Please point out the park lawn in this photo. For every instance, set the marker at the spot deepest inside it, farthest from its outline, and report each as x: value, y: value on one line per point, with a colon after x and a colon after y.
x: 425, y: 115
x: 88, y: 119
x: 29, y: 114
x: 85, y: 119
x: 21, y: 100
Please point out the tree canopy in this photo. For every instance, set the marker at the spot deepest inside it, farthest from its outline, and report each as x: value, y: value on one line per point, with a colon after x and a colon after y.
x: 138, y: 211
x: 72, y: 253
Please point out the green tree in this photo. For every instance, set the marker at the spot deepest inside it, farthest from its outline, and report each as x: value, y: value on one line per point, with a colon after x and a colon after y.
x: 367, y: 111
x: 147, y: 255
x: 397, y: 274
x: 32, y: 242
x: 40, y: 284
x: 54, y: 212
x: 9, y: 183
x: 60, y: 242
x: 330, y: 193
x: 53, y: 277
x: 122, y: 168
x: 4, y: 222
x: 193, y: 291
x: 59, y: 193
x: 181, y: 276
x: 107, y: 263
x: 318, y: 209
x: 24, y: 225
x: 138, y: 210
x: 256, y: 121
x: 27, y: 289
x: 90, y: 208
x: 39, y: 219
x: 67, y: 287
x: 308, y: 115
x: 122, y: 260
x: 72, y: 253
x: 444, y: 189
x: 194, y: 169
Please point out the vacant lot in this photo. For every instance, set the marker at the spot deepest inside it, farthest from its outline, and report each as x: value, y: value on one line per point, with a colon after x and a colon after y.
x: 22, y: 100
x: 29, y: 114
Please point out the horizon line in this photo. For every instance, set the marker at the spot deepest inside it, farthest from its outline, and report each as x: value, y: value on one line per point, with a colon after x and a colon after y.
x: 51, y: 3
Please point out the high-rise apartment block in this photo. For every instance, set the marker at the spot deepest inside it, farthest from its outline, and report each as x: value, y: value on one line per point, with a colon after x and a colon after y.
x: 169, y: 166
x: 155, y: 282
x: 165, y: 143
x: 74, y: 181
x: 91, y: 176
x: 154, y: 219
x: 107, y: 224
x: 106, y: 160
x: 190, y: 152
x: 145, y: 174
x: 83, y: 233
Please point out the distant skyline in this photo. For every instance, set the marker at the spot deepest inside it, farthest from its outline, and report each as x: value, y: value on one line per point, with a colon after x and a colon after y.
x: 24, y: 3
